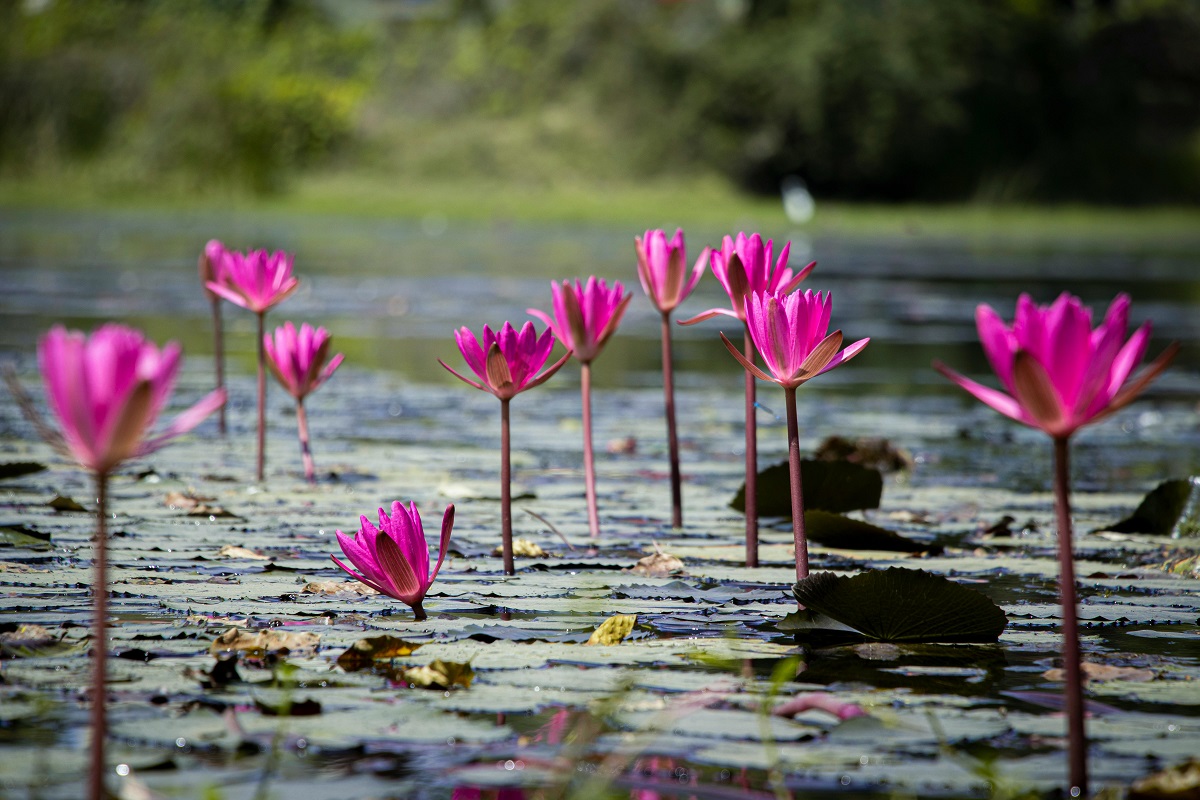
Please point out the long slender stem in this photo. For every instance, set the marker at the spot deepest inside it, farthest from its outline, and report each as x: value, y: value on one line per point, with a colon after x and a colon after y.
x: 1076, y: 736
x: 798, y: 534
x: 97, y: 770
x: 751, y: 463
x: 219, y: 358
x: 589, y: 460
x: 672, y: 435
x: 310, y: 472
x: 262, y: 398
x: 506, y: 544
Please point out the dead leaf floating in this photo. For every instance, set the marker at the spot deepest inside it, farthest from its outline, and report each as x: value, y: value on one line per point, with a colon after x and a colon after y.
x: 234, y: 551
x: 613, y: 630
x: 365, y: 653
x: 195, y: 505
x: 338, y: 587
x: 1180, y: 782
x: 523, y: 548
x: 1104, y: 672
x: 440, y: 674
x: 658, y: 565
x: 264, y: 643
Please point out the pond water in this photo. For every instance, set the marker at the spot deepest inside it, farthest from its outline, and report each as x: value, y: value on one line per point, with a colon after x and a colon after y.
x: 678, y: 704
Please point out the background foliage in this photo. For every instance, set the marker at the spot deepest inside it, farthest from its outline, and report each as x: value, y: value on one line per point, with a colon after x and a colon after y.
x: 995, y: 100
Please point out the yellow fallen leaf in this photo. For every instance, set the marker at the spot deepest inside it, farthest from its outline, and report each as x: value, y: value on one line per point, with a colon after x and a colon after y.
x: 523, y: 548
x: 262, y: 643
x: 440, y: 674
x: 366, y: 652
x: 1103, y: 672
x: 614, y: 629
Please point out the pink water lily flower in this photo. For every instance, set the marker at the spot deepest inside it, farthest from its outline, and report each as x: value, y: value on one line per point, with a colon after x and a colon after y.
x: 297, y: 358
x: 393, y: 559
x: 585, y: 315
x: 108, y: 389
x: 255, y: 280
x: 790, y: 333
x: 507, y: 362
x: 1059, y: 373
x: 743, y: 266
x: 662, y: 268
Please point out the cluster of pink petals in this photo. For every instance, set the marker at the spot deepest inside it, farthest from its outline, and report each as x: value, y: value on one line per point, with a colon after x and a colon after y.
x: 393, y: 559
x: 662, y: 268
x: 790, y: 333
x: 108, y: 389
x: 297, y: 358
x: 743, y: 266
x: 1059, y: 373
x: 212, y: 266
x: 507, y: 362
x: 585, y: 315
x: 256, y: 280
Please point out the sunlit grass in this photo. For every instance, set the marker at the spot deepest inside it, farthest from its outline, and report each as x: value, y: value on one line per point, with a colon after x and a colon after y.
x: 705, y: 202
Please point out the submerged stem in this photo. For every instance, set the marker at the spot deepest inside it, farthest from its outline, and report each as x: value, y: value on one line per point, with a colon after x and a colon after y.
x: 751, y: 462
x: 1076, y: 736
x: 219, y: 358
x: 672, y: 435
x: 505, y: 491
x: 798, y: 534
x: 262, y: 398
x: 589, y: 465
x: 97, y: 771
x: 310, y: 472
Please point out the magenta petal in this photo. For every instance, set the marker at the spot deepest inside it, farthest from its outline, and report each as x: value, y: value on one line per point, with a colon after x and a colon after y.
x: 997, y: 400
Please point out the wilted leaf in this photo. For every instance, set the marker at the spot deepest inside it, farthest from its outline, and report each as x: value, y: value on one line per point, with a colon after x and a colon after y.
x: 658, y: 565
x: 1189, y: 566
x: 338, y: 587
x: 834, y: 486
x: 15, y: 469
x: 440, y: 675
x: 262, y: 643
x: 1103, y: 672
x: 613, y: 629
x: 24, y: 536
x: 834, y: 530
x: 523, y: 548
x: 895, y: 605
x: 1180, y: 782
x: 235, y: 551
x: 364, y: 653
x: 872, y: 451
x: 1172, y: 507
x: 61, y: 503
x: 31, y: 641
x: 302, y: 708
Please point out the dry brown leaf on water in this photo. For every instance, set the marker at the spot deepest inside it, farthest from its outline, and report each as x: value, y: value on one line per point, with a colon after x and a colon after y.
x: 338, y: 587
x: 257, y: 644
x: 622, y: 447
x: 1103, y: 672
x: 440, y: 674
x: 659, y: 565
x: 1180, y: 782
x: 523, y: 548
x: 195, y: 505
x: 613, y: 630
x: 26, y: 636
x: 234, y: 551
x: 366, y: 652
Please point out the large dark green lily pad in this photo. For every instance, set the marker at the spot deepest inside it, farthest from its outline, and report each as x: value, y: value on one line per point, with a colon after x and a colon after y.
x: 834, y: 486
x: 894, y: 605
x: 1171, y: 508
x: 15, y: 469
x: 835, y: 530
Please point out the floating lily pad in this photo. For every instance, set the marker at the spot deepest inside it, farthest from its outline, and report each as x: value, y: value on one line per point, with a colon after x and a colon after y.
x: 834, y: 486
x: 834, y: 530
x: 15, y: 469
x: 613, y: 630
x: 1171, y: 508
x: 894, y: 605
x: 17, y: 535
x: 63, y: 503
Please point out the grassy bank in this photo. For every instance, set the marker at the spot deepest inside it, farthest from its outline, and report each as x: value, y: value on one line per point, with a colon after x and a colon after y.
x: 706, y: 203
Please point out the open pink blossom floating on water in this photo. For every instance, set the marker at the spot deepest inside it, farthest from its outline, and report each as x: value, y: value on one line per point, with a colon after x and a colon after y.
x: 506, y: 362
x: 1059, y: 373
x: 393, y: 559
